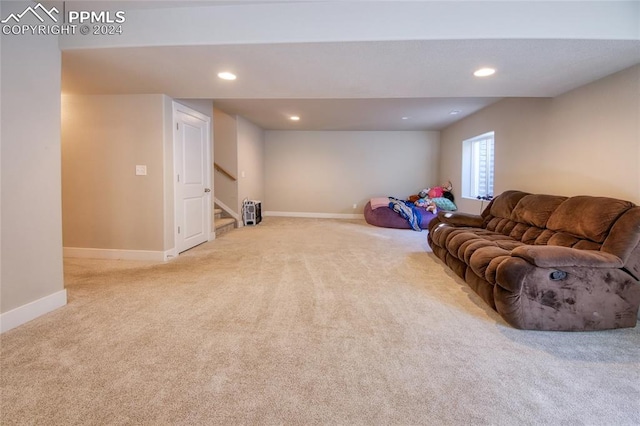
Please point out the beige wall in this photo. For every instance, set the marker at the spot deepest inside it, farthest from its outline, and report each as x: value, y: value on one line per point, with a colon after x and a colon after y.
x: 105, y: 205
x: 250, y: 161
x: 31, y: 259
x: 585, y: 141
x: 328, y: 172
x: 597, y: 127
x: 225, y: 153
x: 520, y: 131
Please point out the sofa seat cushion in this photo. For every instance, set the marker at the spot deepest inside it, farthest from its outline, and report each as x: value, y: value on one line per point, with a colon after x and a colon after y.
x: 485, y: 256
x: 453, y: 237
x: 491, y: 270
x: 458, y: 241
x: 441, y: 232
x: 481, y: 249
x: 463, y: 242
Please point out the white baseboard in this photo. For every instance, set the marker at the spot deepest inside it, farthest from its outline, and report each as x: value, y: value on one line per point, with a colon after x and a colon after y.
x: 170, y: 254
x: 315, y: 215
x: 93, y: 253
x: 32, y: 310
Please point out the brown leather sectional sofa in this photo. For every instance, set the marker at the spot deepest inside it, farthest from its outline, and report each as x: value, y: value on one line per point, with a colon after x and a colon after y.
x: 547, y: 262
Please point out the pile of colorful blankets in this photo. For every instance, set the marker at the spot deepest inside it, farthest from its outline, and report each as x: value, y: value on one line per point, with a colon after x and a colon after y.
x: 407, y: 210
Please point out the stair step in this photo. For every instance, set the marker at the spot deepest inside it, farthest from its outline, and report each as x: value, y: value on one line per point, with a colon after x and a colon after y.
x: 217, y: 213
x: 224, y: 221
x: 224, y: 225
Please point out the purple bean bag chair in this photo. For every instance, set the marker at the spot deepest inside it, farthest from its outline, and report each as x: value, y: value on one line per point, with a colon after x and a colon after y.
x: 387, y: 218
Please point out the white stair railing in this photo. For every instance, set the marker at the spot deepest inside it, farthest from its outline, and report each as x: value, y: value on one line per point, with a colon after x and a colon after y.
x: 228, y: 211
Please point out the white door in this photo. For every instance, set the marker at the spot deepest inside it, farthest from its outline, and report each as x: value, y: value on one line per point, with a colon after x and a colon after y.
x: 192, y: 177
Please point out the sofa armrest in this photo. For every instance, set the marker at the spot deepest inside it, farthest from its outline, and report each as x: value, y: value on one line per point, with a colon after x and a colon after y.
x: 461, y: 219
x: 558, y: 256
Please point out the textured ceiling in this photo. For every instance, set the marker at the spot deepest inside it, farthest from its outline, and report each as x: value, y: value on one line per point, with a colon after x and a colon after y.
x: 359, y: 85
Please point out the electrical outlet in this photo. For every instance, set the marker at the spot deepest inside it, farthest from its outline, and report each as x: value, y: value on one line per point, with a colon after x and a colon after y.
x: 355, y: 206
x: 141, y: 170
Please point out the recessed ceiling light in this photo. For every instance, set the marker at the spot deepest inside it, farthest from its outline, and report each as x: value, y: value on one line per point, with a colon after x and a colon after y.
x: 227, y: 75
x: 405, y: 118
x: 294, y: 118
x: 484, y: 72
x: 454, y: 112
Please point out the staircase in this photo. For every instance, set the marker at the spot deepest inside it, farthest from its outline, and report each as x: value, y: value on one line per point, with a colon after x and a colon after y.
x: 222, y: 224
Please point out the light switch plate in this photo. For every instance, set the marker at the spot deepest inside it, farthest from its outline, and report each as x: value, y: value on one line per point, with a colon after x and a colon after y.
x: 141, y: 170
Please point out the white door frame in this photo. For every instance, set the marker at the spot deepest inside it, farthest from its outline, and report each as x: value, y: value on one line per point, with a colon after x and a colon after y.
x: 177, y: 107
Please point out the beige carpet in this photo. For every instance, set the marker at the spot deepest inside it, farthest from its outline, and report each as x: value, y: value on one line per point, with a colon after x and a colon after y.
x: 304, y: 321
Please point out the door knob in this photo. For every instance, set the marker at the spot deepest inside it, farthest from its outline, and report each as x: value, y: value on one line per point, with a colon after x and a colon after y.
x: 207, y: 190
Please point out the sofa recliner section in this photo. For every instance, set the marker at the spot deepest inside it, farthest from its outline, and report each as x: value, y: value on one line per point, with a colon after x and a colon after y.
x: 547, y: 262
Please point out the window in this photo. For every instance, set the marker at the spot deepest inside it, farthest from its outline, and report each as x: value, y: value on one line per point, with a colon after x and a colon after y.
x: 477, y: 166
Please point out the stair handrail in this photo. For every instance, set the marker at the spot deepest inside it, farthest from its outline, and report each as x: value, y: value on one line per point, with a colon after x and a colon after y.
x: 224, y: 172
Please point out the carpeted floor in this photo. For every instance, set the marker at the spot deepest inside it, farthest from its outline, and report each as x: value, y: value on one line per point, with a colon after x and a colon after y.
x: 304, y: 321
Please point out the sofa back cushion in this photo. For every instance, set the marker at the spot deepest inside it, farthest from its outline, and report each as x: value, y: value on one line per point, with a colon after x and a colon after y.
x: 581, y: 222
x: 587, y: 217
x: 503, y: 204
x: 536, y: 209
x: 501, y: 216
